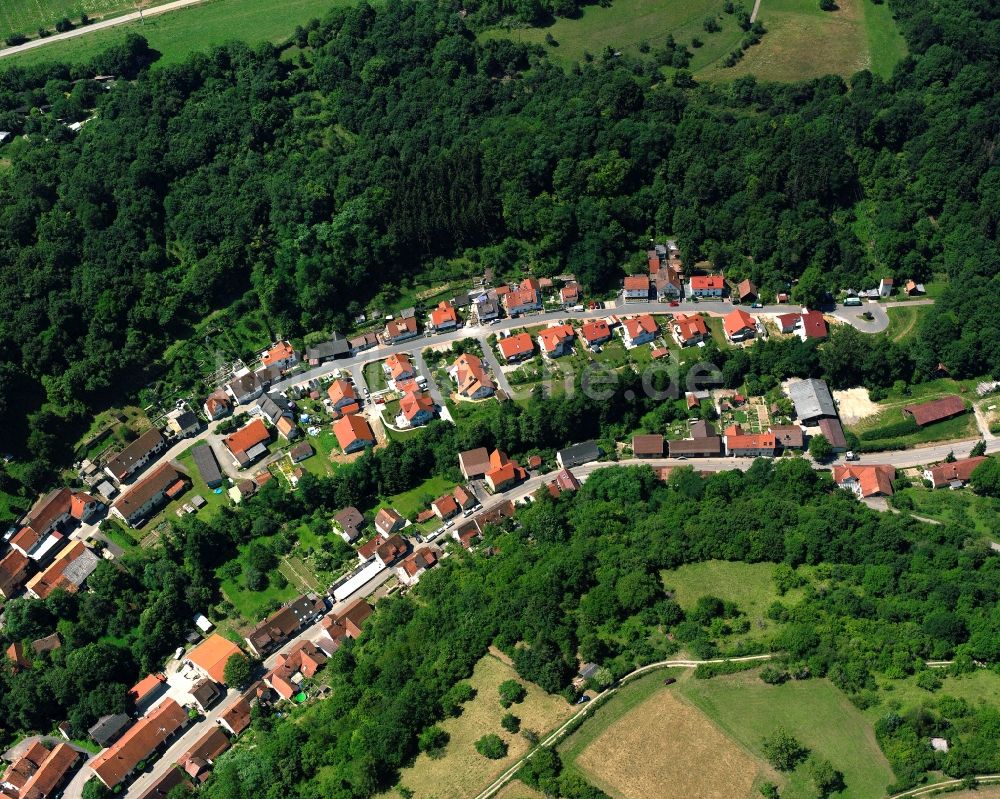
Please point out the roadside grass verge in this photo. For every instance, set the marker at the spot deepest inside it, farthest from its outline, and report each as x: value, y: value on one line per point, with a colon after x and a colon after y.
x: 963, y: 509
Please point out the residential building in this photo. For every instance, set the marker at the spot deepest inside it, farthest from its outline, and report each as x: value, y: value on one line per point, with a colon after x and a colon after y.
x: 388, y: 521
x: 865, y: 481
x: 341, y: 394
x: 595, y: 333
x: 487, y: 308
x: 114, y: 764
x: 37, y: 548
x: 444, y: 317
x: 474, y: 463
x: 912, y: 288
x: 160, y: 788
x: 156, y: 489
x: 248, y: 443
x: 300, y: 452
x: 237, y: 717
x: 353, y: 433
x: 516, y: 348
x: 402, y: 329
x: 832, y: 430
x: 107, y: 729
x: 336, y: 347
x: 556, y: 341
x: 274, y: 407
x: 59, y: 508
x: 445, y: 507
x: 953, y: 475
x: 569, y: 294
x: 348, y: 523
x: 700, y: 428
x: 135, y: 456
x: 197, y: 761
x: 281, y: 625
x: 339, y: 626
x: 217, y: 405
x: 746, y: 291
x: 68, y: 571
x: 207, y: 465
x: 668, y: 284
x: 39, y: 772
x: 416, y: 408
x: 465, y: 498
x: 648, y: 446
x: 466, y: 533
x: 281, y: 355
x: 707, y: 447
x: 302, y: 661
x: 390, y: 550
x: 49, y: 643
x: 244, y: 388
x: 706, y: 286
x: 205, y: 693
x: 503, y: 472
x: 523, y: 299
x: 211, y: 655
x: 471, y: 377
x: 749, y: 445
x: 14, y: 570
x: 885, y: 286
x: 414, y: 565
x: 689, y: 329
x: 812, y: 400
x: 363, y: 342
x: 578, y: 454
x: 398, y: 367
x: 788, y: 436
x: 937, y: 410
x: 635, y: 288
x: 813, y: 326
x: 739, y: 325
x: 15, y: 654
x: 787, y: 322
x: 639, y: 330
x: 565, y: 480
x: 182, y: 422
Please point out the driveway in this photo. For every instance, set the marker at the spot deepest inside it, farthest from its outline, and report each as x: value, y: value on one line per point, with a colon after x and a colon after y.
x: 498, y: 375
x: 425, y: 372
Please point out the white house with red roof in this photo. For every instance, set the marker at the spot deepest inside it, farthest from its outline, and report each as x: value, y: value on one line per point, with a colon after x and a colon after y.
x: 281, y: 355
x: 595, y: 333
x: 556, y: 341
x: 706, y: 286
x: 639, y: 330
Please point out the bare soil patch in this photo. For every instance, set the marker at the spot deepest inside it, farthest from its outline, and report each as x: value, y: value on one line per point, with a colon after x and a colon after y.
x: 855, y: 405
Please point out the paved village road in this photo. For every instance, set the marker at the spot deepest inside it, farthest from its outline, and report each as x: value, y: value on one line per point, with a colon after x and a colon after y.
x: 96, y: 26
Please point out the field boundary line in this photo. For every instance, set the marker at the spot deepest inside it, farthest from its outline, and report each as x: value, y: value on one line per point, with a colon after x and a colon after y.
x: 942, y: 787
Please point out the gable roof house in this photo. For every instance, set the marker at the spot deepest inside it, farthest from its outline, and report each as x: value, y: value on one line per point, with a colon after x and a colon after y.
x: 787, y: 322
x: 813, y: 326
x: 277, y: 628
x: 595, y: 333
x: 14, y: 570
x: 739, y: 325
x: 211, y: 655
x: 57, y: 508
x: 474, y: 463
x: 832, y: 430
x: 470, y: 377
x: 865, y: 481
x: 217, y: 405
x: 578, y: 454
x: 445, y: 507
x: 278, y: 411
x: 336, y: 347
x: 237, y: 716
x: 812, y: 400
x: 39, y: 772
x: 341, y: 625
x: 68, y: 571
x: 668, y: 284
x: 248, y: 443
x: 413, y: 566
x: 402, y: 329
x: 207, y: 465
x: 517, y: 347
x: 569, y: 294
x: 198, y: 760
x: 706, y: 286
x: 388, y: 521
x: 143, y: 695
x: 487, y: 307
x: 106, y: 729
x: 129, y: 461
x: 747, y: 291
x: 689, y: 329
x: 205, y: 693
x: 398, y: 367
x: 639, y: 330
x: 390, y: 550
x: 503, y: 472
x: 955, y: 474
x: 113, y: 765
x: 341, y: 394
x: 556, y: 341
x: 749, y: 445
x: 349, y: 522
x: 526, y: 297
x: 635, y: 288
x: 788, y: 436
x: 353, y: 433
x: 159, y: 487
x: 464, y: 497
x: 703, y: 447
x: 183, y: 422
x: 416, y: 408
x: 650, y: 446
x: 302, y: 661
x: 885, y: 286
x: 444, y: 317
x: 362, y: 342
x: 281, y: 355
x: 245, y: 388
x: 937, y: 410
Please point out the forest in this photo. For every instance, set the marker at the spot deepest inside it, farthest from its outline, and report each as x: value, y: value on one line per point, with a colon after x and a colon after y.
x: 298, y: 181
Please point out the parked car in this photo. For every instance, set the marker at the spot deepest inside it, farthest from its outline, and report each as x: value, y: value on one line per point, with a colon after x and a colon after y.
x: 674, y: 303
x: 583, y: 699
x: 757, y: 305
x: 851, y: 455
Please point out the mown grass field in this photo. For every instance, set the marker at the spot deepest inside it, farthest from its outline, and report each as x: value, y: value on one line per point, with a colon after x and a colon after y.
x: 961, y: 508
x: 27, y: 16
x: 462, y: 771
x: 904, y: 321
x: 665, y: 747
x: 176, y: 34
x: 814, y: 711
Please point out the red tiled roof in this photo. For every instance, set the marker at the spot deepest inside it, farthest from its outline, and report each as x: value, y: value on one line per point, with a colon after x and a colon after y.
x: 736, y: 321
x: 873, y: 480
x: 514, y: 346
x: 595, y: 331
x: 703, y: 282
x: 211, y: 656
x: 637, y: 283
x: 745, y: 289
x: 413, y: 403
x: 398, y: 327
x: 444, y: 314
x: 446, y: 505
x: 140, y: 740
x: 247, y: 437
x: 690, y: 326
x: 814, y: 325
x: 350, y: 429
x: 340, y: 390
x: 960, y: 470
x: 552, y: 337
x: 638, y: 325
x: 787, y: 321
x: 470, y: 374
x: 282, y: 351
x: 399, y: 365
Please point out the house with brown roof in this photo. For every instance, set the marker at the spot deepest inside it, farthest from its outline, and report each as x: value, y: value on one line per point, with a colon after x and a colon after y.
x: 444, y: 317
x: 348, y: 523
x: 524, y: 298
x: 569, y: 294
x: 865, y: 481
x: 595, y: 333
x: 831, y: 428
x: 746, y: 291
x: 135, y: 456
x: 390, y: 550
x: 639, y: 330
x: 281, y: 625
x: 211, y: 655
x: 402, y: 329
x: 237, y: 717
x: 635, y: 288
x: 198, y: 760
x: 68, y: 571
x: 464, y: 497
x: 938, y: 410
x: 362, y: 342
x: 955, y: 474
x: 689, y: 329
x: 739, y: 325
x: 302, y: 662
x: 564, y: 480
x: 244, y: 388
x: 162, y: 485
x: 466, y: 533
x: 705, y: 447
x: 205, y: 693
x: 60, y: 507
x: 749, y: 445
x: 388, y: 521
x: 504, y: 473
x: 470, y: 377
x: 516, y: 348
x: 413, y: 566
x: 813, y: 326
x: 788, y: 436
x: 474, y: 463
x: 647, y: 446
x: 113, y: 765
x: 341, y: 625
x: 39, y: 772
x: 49, y: 643
x: 14, y: 570
x: 353, y: 433
x: 556, y: 341
x: 160, y: 788
x: 217, y: 405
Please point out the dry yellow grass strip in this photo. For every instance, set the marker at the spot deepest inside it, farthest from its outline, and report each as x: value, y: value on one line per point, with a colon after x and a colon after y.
x: 667, y: 749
